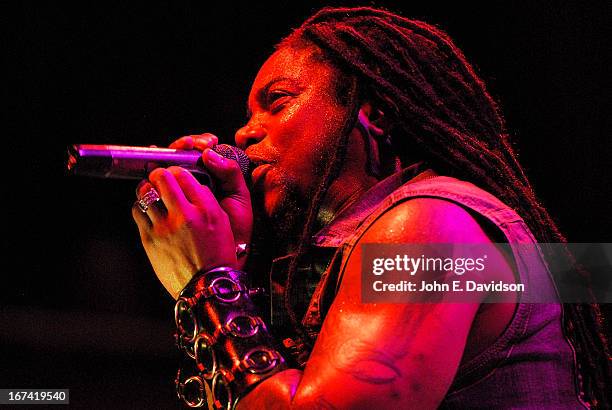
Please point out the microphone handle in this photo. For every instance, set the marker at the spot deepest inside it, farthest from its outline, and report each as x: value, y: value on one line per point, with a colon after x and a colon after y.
x: 127, y: 162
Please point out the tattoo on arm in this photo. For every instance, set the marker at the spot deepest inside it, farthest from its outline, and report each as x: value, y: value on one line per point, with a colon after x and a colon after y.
x: 317, y: 403
x: 371, y: 359
x: 365, y: 362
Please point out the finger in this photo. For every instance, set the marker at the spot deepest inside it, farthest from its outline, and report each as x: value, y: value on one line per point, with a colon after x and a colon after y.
x: 196, y: 193
x: 142, y: 220
x: 203, y: 141
x: 143, y: 223
x: 182, y: 143
x: 169, y: 189
x: 227, y: 172
x: 199, y: 142
x: 142, y: 187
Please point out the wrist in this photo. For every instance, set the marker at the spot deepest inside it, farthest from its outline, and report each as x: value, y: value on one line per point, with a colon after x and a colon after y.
x: 236, y: 261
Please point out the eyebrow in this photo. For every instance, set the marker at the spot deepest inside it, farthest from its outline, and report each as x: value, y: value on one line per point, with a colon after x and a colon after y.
x: 260, y: 94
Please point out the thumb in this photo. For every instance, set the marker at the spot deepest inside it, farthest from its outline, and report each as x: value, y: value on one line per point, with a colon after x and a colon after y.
x: 227, y: 173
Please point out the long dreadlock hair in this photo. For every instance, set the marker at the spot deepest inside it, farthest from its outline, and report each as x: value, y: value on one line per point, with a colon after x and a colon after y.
x: 440, y: 105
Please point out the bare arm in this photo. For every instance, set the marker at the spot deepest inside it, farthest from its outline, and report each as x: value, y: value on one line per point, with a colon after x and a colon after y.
x: 384, y: 355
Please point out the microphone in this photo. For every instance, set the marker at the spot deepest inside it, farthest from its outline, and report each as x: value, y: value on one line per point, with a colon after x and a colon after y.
x: 125, y: 162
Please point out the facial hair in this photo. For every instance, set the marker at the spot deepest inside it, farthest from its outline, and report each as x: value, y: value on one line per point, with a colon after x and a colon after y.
x: 278, y: 233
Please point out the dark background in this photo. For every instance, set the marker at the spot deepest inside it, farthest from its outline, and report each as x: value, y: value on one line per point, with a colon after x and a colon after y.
x: 80, y: 306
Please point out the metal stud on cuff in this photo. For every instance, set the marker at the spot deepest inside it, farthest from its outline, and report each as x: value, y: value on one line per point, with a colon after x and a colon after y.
x: 186, y: 325
x: 260, y: 360
x: 205, y: 356
x: 242, y: 326
x: 194, y: 391
x: 225, y: 289
x: 221, y: 391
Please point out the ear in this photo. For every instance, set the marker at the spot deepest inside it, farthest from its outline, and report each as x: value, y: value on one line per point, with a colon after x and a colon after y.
x: 373, y: 119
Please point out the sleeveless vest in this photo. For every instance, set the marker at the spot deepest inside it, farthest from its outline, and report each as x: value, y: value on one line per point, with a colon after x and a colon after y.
x: 530, y: 365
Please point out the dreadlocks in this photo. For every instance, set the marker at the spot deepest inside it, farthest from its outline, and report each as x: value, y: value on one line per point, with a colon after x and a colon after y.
x: 439, y: 105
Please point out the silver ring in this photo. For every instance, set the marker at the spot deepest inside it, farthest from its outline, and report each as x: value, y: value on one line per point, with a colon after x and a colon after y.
x: 148, y: 199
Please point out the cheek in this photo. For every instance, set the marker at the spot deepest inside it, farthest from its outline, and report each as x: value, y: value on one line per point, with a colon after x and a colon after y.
x: 302, y: 165
x: 309, y: 135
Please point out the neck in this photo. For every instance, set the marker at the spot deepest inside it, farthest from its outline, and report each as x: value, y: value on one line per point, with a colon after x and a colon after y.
x: 352, y: 182
x: 353, y: 179
x: 344, y: 191
x: 342, y: 194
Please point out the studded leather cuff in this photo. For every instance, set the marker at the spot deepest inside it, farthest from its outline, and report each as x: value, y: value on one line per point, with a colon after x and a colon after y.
x: 226, y: 346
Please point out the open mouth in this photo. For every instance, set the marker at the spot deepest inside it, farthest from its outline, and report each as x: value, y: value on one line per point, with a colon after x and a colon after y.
x: 260, y: 165
x: 257, y: 160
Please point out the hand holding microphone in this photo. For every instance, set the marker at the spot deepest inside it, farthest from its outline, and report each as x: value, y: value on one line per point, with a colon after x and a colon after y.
x: 196, y: 229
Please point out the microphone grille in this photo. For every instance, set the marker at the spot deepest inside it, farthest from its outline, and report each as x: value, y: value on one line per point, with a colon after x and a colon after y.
x: 238, y: 155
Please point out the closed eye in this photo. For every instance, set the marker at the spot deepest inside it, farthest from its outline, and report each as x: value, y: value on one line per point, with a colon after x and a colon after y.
x: 277, y: 99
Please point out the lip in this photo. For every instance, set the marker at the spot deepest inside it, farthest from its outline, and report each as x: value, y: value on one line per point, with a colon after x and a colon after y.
x: 258, y: 160
x: 259, y: 172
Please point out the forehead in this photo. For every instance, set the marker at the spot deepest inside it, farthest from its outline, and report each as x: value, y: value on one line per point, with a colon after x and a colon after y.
x: 298, y: 65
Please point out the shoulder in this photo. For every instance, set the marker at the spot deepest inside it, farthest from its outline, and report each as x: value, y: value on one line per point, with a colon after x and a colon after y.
x: 426, y: 220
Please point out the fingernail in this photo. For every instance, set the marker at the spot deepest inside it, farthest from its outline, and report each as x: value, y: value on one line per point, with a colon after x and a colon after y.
x: 187, y: 142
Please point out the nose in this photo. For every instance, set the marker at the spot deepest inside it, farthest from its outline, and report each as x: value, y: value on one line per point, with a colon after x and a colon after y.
x: 249, y: 134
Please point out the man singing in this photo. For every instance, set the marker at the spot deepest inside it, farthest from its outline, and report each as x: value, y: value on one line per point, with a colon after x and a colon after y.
x: 364, y: 127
